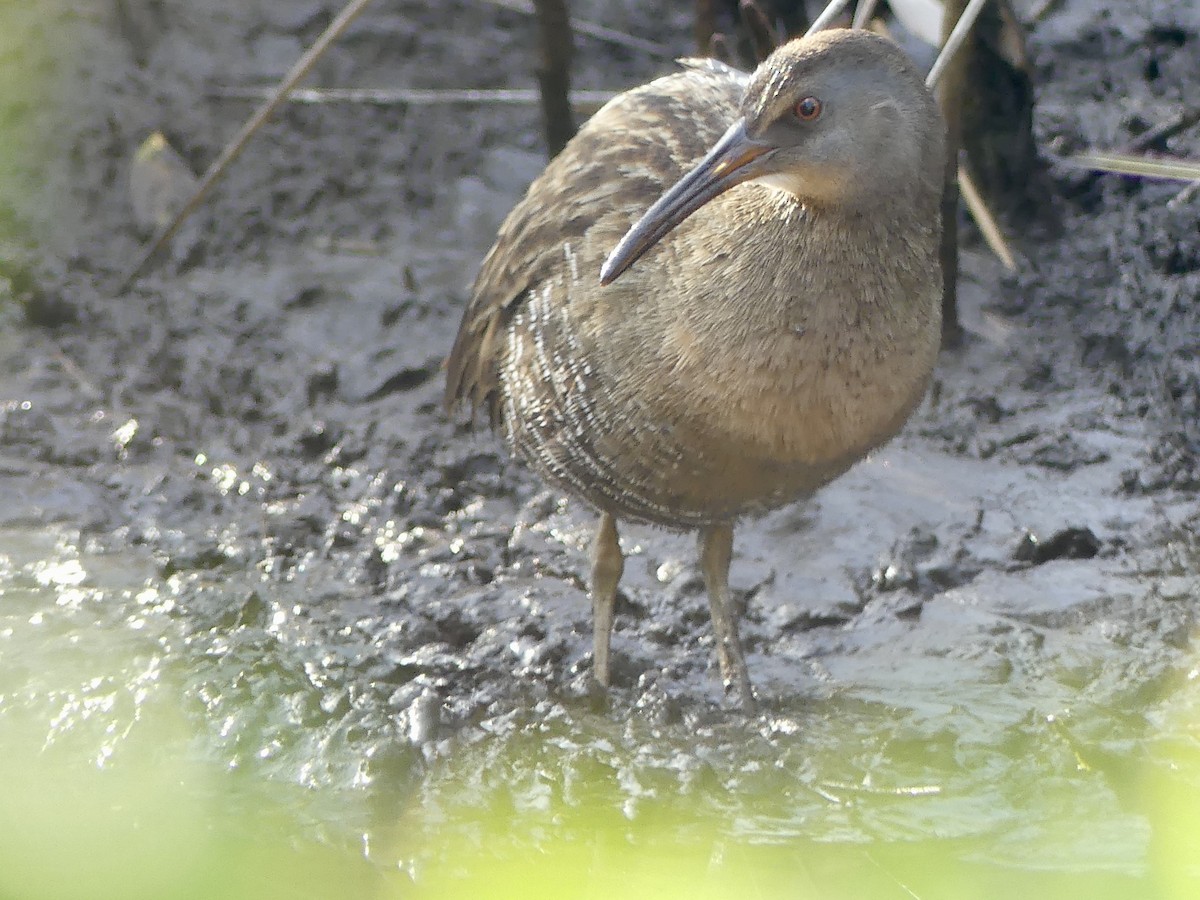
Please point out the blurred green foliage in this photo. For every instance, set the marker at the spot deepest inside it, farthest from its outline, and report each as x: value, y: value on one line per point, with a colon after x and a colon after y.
x: 30, y: 87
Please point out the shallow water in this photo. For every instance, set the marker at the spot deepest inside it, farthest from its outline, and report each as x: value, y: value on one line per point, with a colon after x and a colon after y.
x: 148, y: 754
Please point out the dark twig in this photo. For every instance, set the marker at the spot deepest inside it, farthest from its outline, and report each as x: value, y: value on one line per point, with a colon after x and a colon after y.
x: 238, y: 143
x: 554, y: 72
x: 759, y: 25
x: 953, y: 66
x: 795, y: 19
x: 706, y: 26
x: 718, y: 49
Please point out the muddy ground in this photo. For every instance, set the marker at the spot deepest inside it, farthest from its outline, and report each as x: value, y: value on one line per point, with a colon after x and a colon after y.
x: 362, y: 583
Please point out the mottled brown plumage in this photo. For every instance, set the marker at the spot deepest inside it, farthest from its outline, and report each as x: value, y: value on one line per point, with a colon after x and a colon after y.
x: 770, y: 320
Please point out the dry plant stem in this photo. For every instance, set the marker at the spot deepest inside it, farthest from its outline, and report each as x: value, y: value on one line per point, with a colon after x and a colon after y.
x: 588, y: 101
x: 1145, y: 167
x: 961, y: 182
x: 68, y: 365
x: 591, y: 29
x: 1184, y: 196
x: 984, y: 219
x: 238, y: 143
x: 863, y: 13
x: 963, y: 19
x: 1139, y: 166
x: 1181, y: 121
x: 831, y: 12
x: 554, y: 73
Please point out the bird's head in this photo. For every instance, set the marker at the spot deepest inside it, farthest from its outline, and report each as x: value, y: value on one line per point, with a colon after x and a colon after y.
x: 840, y: 119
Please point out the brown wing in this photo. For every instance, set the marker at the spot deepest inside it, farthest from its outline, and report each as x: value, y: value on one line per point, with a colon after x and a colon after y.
x: 619, y: 163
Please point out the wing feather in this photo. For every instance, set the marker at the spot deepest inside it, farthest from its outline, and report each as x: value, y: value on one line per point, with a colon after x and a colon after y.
x: 628, y: 154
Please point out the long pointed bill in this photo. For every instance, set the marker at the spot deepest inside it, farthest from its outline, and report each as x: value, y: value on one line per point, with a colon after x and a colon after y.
x: 729, y: 162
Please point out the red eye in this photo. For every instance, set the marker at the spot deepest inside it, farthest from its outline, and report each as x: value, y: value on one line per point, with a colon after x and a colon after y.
x: 808, y: 109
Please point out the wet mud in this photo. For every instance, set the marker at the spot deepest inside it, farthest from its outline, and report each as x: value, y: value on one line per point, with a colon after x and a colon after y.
x: 374, y: 590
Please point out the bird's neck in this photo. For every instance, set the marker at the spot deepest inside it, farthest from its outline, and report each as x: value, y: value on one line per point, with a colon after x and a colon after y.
x: 826, y: 259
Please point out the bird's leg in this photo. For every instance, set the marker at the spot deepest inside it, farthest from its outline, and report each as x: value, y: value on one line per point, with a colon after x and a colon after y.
x: 607, y: 566
x: 716, y: 550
